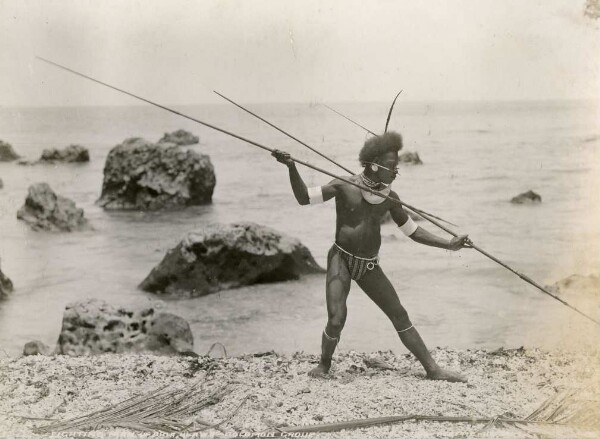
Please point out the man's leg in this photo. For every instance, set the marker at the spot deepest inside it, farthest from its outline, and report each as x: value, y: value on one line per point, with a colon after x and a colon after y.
x: 378, y: 287
x: 337, y: 288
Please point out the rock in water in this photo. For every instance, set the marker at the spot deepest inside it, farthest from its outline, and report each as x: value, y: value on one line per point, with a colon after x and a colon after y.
x: 95, y: 327
x: 180, y: 137
x: 70, y: 154
x: 146, y: 176
x: 36, y: 347
x: 6, y: 286
x: 218, y: 257
x: 410, y: 158
x: 7, y: 153
x: 45, y: 210
x: 526, y: 197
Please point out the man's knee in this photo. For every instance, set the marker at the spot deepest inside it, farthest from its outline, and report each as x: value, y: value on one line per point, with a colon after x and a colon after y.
x: 400, y: 320
x: 335, y: 324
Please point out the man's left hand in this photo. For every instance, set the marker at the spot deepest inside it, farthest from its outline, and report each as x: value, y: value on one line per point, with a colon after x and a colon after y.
x: 459, y: 242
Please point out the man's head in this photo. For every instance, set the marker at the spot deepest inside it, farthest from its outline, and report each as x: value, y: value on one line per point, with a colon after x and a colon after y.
x: 383, y: 151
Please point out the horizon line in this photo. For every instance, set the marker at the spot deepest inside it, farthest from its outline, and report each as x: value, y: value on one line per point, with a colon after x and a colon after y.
x: 314, y: 103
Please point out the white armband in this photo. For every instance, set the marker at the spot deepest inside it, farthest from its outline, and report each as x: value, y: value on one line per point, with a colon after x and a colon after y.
x: 409, y: 227
x: 315, y: 195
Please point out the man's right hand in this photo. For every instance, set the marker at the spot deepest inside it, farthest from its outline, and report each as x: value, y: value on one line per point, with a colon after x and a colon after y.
x: 283, y: 157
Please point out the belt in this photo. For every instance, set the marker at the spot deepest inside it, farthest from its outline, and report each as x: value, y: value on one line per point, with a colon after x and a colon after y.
x: 371, y: 261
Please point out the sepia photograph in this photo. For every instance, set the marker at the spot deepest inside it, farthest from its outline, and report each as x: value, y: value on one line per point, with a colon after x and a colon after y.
x: 323, y: 219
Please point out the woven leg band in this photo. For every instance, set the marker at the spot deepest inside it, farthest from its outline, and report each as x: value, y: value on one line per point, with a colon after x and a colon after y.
x: 402, y: 330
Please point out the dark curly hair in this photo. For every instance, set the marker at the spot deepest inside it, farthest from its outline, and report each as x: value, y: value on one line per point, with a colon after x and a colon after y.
x: 378, y: 145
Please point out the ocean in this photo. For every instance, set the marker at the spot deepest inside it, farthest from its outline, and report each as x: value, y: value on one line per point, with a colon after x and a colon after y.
x: 477, y: 156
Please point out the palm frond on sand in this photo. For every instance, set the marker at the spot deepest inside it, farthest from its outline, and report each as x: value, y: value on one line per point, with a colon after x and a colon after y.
x: 564, y: 409
x: 164, y: 409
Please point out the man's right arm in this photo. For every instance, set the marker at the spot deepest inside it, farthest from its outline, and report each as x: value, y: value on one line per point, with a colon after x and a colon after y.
x: 304, y: 195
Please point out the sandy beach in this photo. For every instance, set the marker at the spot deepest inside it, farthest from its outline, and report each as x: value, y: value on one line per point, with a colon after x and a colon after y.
x: 268, y: 393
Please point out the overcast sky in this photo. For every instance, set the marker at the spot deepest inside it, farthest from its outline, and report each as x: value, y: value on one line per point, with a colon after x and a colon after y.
x: 176, y: 52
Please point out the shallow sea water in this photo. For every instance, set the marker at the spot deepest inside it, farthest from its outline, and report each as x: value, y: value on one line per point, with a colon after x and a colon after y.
x: 476, y: 156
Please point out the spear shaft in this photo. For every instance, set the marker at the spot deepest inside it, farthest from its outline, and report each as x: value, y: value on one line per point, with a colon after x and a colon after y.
x: 348, y: 119
x: 419, y: 212
x: 308, y: 165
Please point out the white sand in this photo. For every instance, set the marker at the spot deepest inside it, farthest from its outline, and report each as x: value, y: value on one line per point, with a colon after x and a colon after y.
x: 281, y: 394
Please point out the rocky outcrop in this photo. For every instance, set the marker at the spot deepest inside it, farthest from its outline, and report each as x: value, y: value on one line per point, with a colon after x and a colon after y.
x: 6, y: 285
x: 7, y: 153
x: 36, y: 347
x: 218, y: 257
x: 180, y: 137
x: 409, y: 158
x: 94, y: 327
x: 146, y: 176
x: 45, y: 210
x: 528, y: 197
x: 70, y: 154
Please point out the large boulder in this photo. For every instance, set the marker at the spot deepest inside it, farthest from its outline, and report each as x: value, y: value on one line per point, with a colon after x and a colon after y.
x: 528, y: 197
x: 7, y: 153
x: 45, y: 210
x: 146, y: 176
x: 180, y: 137
x: 70, y: 154
x: 94, y: 327
x: 410, y: 158
x: 6, y: 286
x: 218, y: 257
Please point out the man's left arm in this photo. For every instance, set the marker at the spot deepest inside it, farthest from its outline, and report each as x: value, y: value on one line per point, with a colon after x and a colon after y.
x: 422, y: 236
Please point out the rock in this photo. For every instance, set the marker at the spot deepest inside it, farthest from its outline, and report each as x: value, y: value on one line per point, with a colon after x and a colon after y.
x: 94, y: 327
x: 45, y: 210
x: 180, y: 137
x: 526, y: 197
x: 36, y: 347
x: 6, y: 285
x: 1, y: 184
x: 7, y: 153
x: 410, y: 158
x: 146, y: 176
x: 70, y: 154
x: 218, y: 257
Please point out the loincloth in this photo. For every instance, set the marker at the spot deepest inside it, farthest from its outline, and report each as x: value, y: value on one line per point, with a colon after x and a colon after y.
x: 357, y: 266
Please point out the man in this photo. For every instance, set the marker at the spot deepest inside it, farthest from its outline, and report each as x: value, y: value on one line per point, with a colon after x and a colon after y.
x: 357, y: 242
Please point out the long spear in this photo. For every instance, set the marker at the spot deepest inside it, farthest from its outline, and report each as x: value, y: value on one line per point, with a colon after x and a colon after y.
x: 308, y: 165
x: 347, y: 118
x: 417, y: 211
x: 350, y: 120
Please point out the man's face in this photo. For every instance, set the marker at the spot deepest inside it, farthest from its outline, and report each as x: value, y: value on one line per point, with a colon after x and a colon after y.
x: 388, y: 160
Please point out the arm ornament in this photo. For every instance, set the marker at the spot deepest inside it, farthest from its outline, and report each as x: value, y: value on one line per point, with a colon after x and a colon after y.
x: 409, y: 227
x: 315, y: 195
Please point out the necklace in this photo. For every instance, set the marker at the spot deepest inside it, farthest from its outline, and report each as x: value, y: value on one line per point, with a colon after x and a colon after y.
x: 368, y: 182
x: 368, y: 196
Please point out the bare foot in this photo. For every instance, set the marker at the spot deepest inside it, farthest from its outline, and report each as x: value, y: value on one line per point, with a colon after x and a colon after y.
x: 446, y: 375
x: 320, y: 371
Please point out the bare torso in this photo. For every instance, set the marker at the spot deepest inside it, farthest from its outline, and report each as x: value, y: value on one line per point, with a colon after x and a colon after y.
x: 358, y: 221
